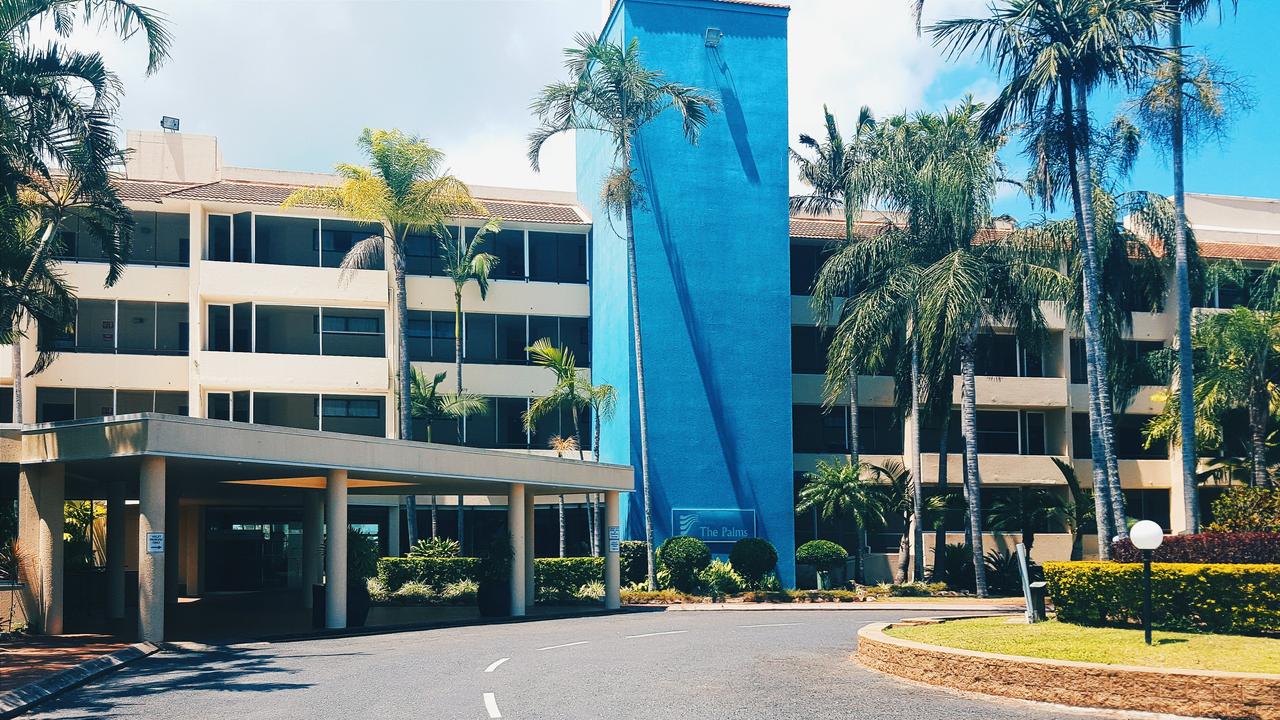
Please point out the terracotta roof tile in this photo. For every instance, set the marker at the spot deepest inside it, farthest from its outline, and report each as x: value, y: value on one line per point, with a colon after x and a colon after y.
x: 1239, y: 251
x: 273, y: 194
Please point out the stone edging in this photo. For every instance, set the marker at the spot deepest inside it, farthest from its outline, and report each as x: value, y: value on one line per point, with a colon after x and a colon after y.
x: 20, y: 700
x: 1207, y: 693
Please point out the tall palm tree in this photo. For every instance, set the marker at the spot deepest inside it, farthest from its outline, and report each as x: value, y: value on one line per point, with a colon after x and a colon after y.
x: 1053, y: 54
x: 603, y: 399
x: 1237, y: 356
x: 571, y: 393
x: 833, y: 171
x: 844, y: 491
x: 405, y: 189
x: 898, y: 495
x: 1026, y: 509
x: 1172, y: 97
x: 1078, y: 511
x: 427, y: 403
x: 611, y: 92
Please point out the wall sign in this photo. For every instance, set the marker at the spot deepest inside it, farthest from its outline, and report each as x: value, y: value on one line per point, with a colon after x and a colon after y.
x: 714, y: 525
x: 155, y: 542
x: 615, y: 538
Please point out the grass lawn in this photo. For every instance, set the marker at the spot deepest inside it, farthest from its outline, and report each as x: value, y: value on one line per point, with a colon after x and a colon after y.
x: 1235, y: 653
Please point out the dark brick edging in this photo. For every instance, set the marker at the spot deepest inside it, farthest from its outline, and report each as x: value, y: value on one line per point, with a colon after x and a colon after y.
x: 1247, y: 696
x: 20, y: 700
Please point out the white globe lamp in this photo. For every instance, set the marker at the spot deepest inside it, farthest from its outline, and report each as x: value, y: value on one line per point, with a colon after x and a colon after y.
x: 1146, y: 536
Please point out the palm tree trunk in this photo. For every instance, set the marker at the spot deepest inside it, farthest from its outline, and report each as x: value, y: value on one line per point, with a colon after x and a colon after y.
x: 969, y: 423
x: 1105, y: 406
x: 404, y: 407
x: 1186, y: 381
x: 1101, y: 486
x: 435, y: 520
x: 854, y: 444
x: 634, y: 280
x: 915, y: 524
x: 1258, y: 439
x: 577, y: 435
x: 904, y: 550
x: 16, y: 347
x: 457, y: 347
x: 940, y: 532
x: 561, y: 503
x: 461, y: 506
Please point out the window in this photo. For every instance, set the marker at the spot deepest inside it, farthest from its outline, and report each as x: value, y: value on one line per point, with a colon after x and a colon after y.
x: 510, y: 340
x: 220, y: 329
x: 137, y: 328
x: 430, y: 336
x: 1127, y: 440
x: 557, y: 257
x: 879, y: 430
x: 284, y: 329
x: 161, y: 238
x: 54, y: 404
x: 575, y: 334
x: 219, y: 230
x: 337, y: 237
x: 218, y: 406
x: 285, y: 410
x: 286, y: 240
x: 809, y: 346
x: 508, y: 247
x: 816, y: 431
x: 998, y: 432
x: 352, y: 333
x: 806, y: 260
x: 1033, y: 433
x: 480, y: 338
x: 353, y: 414
x: 424, y: 254
x: 1150, y: 505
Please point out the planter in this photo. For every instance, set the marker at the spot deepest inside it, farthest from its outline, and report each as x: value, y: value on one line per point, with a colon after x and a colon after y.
x: 357, y: 605
x: 494, y: 598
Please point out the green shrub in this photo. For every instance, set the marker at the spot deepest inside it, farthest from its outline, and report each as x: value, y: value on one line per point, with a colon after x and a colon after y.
x: 957, y: 567
x: 462, y: 592
x: 591, y: 592
x: 559, y: 579
x: 684, y: 557
x: 1237, y: 599
x: 634, y: 561
x: 415, y: 593
x: 753, y: 558
x: 362, y: 557
x: 720, y: 579
x: 436, y: 547
x: 1247, y: 509
x: 770, y: 583
x: 435, y: 572
x: 658, y: 597
x: 822, y: 554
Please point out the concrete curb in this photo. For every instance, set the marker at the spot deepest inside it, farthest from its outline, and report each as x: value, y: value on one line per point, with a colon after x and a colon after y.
x: 843, y: 606
x: 1181, y: 692
x: 20, y: 700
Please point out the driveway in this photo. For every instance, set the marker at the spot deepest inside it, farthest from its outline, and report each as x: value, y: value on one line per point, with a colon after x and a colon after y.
x: 641, y: 666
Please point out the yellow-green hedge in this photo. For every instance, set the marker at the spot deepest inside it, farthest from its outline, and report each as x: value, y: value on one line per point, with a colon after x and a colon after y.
x: 1237, y: 599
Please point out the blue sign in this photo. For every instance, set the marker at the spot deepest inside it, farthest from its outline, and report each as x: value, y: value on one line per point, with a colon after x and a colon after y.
x: 712, y: 525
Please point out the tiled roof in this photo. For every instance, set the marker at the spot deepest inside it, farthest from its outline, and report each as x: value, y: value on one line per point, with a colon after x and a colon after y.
x: 822, y: 229
x: 1239, y: 251
x: 756, y: 3
x: 275, y: 194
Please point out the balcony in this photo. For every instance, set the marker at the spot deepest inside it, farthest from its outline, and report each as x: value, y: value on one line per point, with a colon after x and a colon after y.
x: 996, y: 469
x: 1019, y: 392
x: 1134, y: 474
x: 139, y: 282
x: 495, y: 380
x: 872, y: 389
x: 290, y: 284
x: 506, y: 297
x: 293, y: 372
x: 144, y: 372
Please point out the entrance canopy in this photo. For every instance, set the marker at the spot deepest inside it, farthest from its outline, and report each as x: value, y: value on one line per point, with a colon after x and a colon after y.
x: 214, y: 456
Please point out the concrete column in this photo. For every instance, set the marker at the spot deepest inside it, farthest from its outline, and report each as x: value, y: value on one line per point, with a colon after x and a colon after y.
x: 612, y: 563
x: 115, y: 551
x: 41, y: 493
x: 312, y: 543
x: 393, y: 531
x: 335, y: 558
x: 515, y: 530
x: 151, y: 565
x: 530, y: 503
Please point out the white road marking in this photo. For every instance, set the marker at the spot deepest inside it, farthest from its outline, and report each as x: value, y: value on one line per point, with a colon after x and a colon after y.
x: 556, y: 647
x: 771, y: 625
x: 669, y: 632
x: 495, y: 664
x: 491, y: 704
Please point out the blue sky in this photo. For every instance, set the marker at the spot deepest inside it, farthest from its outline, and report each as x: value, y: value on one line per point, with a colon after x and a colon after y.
x: 290, y: 83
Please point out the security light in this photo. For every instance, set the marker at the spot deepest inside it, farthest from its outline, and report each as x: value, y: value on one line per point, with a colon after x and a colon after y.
x: 1146, y: 535
x: 713, y: 37
x: 169, y: 123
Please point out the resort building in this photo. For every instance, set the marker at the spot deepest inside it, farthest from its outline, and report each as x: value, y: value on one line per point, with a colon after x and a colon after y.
x: 233, y: 309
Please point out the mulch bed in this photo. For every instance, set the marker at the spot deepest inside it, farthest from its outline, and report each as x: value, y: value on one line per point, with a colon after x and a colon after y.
x: 25, y: 659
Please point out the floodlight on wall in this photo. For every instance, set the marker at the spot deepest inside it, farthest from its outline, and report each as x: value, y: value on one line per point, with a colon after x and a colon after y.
x: 169, y: 123
x: 713, y: 37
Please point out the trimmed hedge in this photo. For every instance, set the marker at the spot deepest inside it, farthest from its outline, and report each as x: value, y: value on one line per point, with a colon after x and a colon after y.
x: 1222, y: 598
x: 558, y: 579
x: 634, y: 561
x: 753, y: 558
x: 684, y: 557
x: 435, y: 572
x: 822, y: 554
x: 1249, y: 548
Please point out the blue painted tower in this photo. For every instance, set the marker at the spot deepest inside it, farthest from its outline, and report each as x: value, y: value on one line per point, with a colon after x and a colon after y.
x: 712, y: 259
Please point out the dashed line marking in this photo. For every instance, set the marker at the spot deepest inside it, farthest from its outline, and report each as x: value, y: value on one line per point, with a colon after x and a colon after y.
x: 645, y: 635
x: 771, y: 625
x: 556, y: 647
x: 491, y: 704
x: 495, y: 664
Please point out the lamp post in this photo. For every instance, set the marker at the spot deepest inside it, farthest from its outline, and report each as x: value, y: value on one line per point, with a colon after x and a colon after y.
x: 1146, y: 536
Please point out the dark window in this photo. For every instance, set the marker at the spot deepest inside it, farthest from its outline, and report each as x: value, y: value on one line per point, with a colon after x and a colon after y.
x: 242, y: 328
x: 998, y: 432
x: 220, y: 238
x: 240, y: 405
x: 997, y: 355
x: 809, y: 346
x: 161, y: 238
x: 1079, y: 363
x: 879, y: 430
x: 575, y: 334
x: 353, y: 414
x: 242, y: 237
x: 558, y: 257
x: 6, y: 405
x: 352, y: 333
x: 806, y: 260
x: 510, y: 339
x: 219, y: 406
x: 816, y: 431
x: 424, y: 253
x: 286, y: 240
x: 1150, y: 505
x: 1033, y: 433
x: 1127, y: 441
x: 480, y: 338
x: 54, y: 404
x: 508, y: 247
x: 337, y: 237
x: 430, y: 336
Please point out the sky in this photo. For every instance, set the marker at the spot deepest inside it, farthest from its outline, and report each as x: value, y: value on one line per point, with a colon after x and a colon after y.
x: 289, y: 84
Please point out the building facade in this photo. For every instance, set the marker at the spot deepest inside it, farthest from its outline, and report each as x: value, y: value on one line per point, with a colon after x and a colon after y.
x: 233, y: 308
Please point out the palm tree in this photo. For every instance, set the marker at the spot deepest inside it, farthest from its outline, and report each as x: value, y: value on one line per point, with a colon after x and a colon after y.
x: 845, y: 491
x: 427, y: 403
x: 1237, y: 355
x: 1054, y: 53
x: 407, y: 191
x: 603, y: 399
x: 1180, y: 91
x: 611, y: 92
x: 834, y: 176
x: 898, y: 495
x: 1078, y: 511
x: 571, y: 393
x: 563, y: 445
x: 1025, y: 510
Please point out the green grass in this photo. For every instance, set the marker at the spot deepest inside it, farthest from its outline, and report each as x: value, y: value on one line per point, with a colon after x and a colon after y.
x: 1113, y: 646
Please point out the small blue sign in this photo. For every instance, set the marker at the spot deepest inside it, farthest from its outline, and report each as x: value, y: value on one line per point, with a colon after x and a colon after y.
x: 714, y: 525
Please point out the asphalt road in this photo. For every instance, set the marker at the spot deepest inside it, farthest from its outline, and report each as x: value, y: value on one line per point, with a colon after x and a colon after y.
x: 641, y: 666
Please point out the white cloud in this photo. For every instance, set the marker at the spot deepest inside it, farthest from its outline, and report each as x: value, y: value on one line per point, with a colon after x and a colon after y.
x: 290, y: 84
